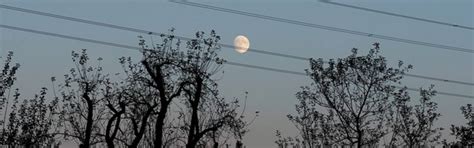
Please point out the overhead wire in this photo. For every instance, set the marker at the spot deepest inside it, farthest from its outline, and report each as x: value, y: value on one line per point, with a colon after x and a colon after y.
x: 142, y: 31
x: 227, y: 62
x: 396, y: 15
x: 134, y: 29
x: 324, y: 27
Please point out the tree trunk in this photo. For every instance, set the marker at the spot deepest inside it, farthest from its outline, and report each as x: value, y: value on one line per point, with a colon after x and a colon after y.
x: 139, y: 135
x: 238, y: 144
x: 109, y: 139
x: 90, y: 120
x: 194, y: 129
x: 359, y: 139
x: 160, y: 122
x: 216, y: 143
x: 158, y: 78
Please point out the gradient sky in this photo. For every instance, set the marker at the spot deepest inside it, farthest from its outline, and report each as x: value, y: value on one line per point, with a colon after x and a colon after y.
x: 271, y: 93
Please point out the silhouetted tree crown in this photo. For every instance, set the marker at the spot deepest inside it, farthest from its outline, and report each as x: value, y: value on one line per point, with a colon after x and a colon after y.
x: 353, y: 101
x: 465, y: 134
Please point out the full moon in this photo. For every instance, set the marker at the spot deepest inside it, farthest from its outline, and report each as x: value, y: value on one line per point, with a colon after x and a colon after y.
x: 241, y: 44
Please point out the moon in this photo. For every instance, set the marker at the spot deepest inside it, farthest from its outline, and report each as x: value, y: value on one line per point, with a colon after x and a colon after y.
x: 241, y: 44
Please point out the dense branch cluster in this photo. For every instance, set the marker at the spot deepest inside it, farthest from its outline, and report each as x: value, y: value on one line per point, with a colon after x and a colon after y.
x: 170, y: 98
x: 357, y: 101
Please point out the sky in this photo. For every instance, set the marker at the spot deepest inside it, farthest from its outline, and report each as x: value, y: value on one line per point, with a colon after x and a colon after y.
x: 271, y: 93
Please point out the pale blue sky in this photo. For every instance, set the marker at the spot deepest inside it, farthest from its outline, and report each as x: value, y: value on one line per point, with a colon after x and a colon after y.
x: 272, y: 93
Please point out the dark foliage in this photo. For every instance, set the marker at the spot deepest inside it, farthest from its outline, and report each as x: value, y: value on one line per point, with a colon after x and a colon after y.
x: 465, y: 134
x: 169, y: 99
x: 30, y: 123
x: 82, y: 101
x: 412, y: 125
x: 357, y: 89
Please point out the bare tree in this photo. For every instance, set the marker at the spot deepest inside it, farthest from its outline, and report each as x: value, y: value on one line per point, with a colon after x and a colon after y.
x: 413, y: 125
x: 170, y: 96
x: 116, y: 104
x: 465, y: 134
x: 7, y: 79
x: 357, y: 88
x: 146, y: 108
x: 31, y: 125
x: 289, y: 142
x: 161, y: 63
x: 225, y: 124
x: 137, y: 100
x: 142, y: 102
x: 315, y: 128
x: 10, y: 133
x: 82, y: 102
x: 209, y: 112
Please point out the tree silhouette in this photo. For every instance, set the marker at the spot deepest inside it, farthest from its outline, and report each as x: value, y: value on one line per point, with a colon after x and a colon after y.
x: 357, y: 89
x: 465, y: 134
x: 187, y: 75
x: 286, y: 142
x: 10, y: 133
x: 141, y: 102
x: 161, y: 64
x: 132, y: 104
x: 414, y: 124
x: 31, y: 125
x: 169, y: 96
x: 116, y: 104
x: 82, y: 101
x: 202, y: 95
x: 7, y: 79
x: 315, y: 128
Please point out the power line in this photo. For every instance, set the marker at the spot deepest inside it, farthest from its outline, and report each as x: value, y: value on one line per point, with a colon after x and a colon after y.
x: 312, y: 25
x: 271, y: 53
x: 397, y: 15
x: 439, y: 79
x: 227, y: 62
x: 266, y: 68
x: 303, y: 74
x: 135, y: 29
x: 409, y: 75
x: 68, y: 37
x: 188, y: 39
x: 444, y: 93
